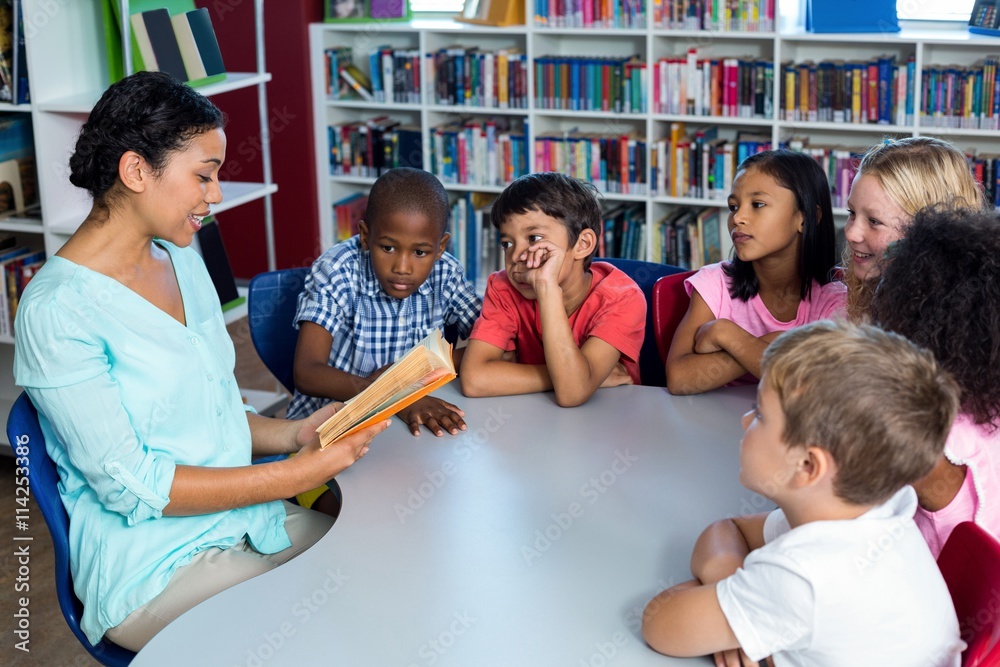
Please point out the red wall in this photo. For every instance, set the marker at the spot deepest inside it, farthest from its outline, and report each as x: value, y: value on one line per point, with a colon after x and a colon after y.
x: 289, y: 102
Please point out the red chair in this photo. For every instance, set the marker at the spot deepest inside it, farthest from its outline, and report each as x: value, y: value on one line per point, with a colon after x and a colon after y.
x: 970, y: 564
x: 670, y: 303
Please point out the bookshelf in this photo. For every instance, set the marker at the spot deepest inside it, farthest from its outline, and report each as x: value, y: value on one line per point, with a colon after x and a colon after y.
x: 68, y: 71
x: 647, y: 37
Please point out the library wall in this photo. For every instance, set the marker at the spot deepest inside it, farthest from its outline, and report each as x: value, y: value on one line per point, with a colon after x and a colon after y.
x: 296, y: 216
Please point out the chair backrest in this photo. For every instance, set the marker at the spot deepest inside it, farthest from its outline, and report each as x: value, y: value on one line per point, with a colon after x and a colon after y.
x: 271, y: 304
x: 26, y: 439
x: 645, y: 274
x: 670, y: 303
x: 970, y: 564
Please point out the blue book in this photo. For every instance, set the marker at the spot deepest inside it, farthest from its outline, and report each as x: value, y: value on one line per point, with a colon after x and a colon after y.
x: 208, y: 45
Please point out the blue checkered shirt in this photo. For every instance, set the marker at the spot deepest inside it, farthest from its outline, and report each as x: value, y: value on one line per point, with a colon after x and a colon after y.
x: 370, y: 328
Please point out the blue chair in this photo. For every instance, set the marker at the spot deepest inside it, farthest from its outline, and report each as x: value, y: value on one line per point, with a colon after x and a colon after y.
x: 645, y: 274
x: 272, y: 300
x: 23, y: 427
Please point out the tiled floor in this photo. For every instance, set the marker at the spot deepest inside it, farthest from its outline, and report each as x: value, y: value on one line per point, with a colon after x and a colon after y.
x: 51, y: 642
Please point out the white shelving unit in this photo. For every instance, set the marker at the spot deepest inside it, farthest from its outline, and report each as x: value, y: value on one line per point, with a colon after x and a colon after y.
x: 68, y: 72
x: 929, y: 43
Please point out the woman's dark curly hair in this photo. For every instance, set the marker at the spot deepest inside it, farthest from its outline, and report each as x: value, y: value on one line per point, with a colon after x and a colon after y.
x: 150, y: 113
x: 941, y: 290
x: 802, y: 175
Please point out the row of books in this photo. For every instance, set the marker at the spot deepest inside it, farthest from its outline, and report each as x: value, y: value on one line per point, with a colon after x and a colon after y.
x: 986, y: 169
x: 394, y: 75
x: 13, y: 62
x: 470, y: 152
x: 468, y: 76
x: 183, y: 45
x: 368, y: 148
x: 962, y: 97
x: 731, y: 87
x: 590, y: 13
x: 879, y: 90
x: 689, y: 237
x: 700, y: 164
x: 839, y: 162
x: 614, y: 163
x: 335, y: 59
x: 474, y: 241
x: 18, y: 263
x: 615, y: 84
x: 623, y: 232
x: 715, y: 15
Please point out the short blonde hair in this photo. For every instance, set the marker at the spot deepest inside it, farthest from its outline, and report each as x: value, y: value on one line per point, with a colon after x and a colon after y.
x: 881, y: 406
x: 914, y: 172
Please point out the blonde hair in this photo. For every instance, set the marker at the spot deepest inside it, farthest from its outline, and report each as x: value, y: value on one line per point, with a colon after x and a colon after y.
x: 880, y: 405
x: 914, y: 172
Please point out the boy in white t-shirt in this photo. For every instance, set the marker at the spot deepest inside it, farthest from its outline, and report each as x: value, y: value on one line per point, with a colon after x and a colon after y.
x: 846, y: 418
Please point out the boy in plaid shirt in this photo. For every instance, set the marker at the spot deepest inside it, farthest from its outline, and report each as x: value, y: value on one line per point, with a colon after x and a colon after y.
x: 371, y: 298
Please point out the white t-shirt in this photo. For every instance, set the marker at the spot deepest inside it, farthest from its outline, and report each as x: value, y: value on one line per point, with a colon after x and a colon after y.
x: 832, y: 593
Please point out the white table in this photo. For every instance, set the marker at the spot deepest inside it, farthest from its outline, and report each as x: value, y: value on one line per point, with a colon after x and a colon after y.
x: 534, y: 539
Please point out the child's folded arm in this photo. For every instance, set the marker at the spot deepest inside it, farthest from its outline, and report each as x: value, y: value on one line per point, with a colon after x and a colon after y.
x: 722, y: 547
x: 486, y: 372
x: 743, y: 346
x: 313, y: 374
x: 691, y: 372
x: 686, y: 621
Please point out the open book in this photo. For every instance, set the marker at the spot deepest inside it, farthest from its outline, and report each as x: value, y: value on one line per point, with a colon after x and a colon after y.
x: 427, y: 366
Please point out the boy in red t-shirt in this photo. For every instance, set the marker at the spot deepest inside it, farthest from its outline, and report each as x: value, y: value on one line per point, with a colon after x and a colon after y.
x: 551, y: 320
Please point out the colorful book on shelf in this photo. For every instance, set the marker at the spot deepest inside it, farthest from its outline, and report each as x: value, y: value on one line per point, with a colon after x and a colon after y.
x: 425, y: 367
x: 358, y: 81
x: 158, y: 48
x: 178, y: 46
x: 7, y: 48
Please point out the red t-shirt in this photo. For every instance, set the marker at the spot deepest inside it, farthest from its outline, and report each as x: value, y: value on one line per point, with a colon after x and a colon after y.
x: 614, y: 310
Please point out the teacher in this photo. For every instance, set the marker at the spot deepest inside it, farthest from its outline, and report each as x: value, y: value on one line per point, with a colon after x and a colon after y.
x: 121, y: 345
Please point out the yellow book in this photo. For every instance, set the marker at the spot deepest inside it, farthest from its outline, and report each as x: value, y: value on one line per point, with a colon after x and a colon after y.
x: 427, y: 366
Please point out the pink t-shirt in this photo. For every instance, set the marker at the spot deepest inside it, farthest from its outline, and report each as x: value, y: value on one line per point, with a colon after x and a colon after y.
x: 825, y: 301
x: 614, y: 311
x: 978, y: 448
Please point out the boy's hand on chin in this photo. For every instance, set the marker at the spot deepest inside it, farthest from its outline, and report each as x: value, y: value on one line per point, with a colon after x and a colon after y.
x: 542, y: 262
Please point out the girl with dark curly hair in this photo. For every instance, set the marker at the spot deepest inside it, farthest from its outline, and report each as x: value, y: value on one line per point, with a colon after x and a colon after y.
x: 121, y: 345
x: 895, y: 179
x: 781, y: 224
x: 942, y: 291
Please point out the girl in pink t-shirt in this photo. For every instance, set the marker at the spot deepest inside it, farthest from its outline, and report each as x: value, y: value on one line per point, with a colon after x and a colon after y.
x: 781, y: 223
x: 942, y: 291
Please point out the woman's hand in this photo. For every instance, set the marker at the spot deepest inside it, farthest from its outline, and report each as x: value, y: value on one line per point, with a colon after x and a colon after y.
x: 321, y: 465
x: 305, y: 429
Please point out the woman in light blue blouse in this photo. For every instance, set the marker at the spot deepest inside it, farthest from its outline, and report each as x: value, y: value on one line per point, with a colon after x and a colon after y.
x: 121, y: 345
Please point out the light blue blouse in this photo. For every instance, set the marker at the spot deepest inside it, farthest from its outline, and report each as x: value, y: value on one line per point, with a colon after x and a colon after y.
x: 125, y: 393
